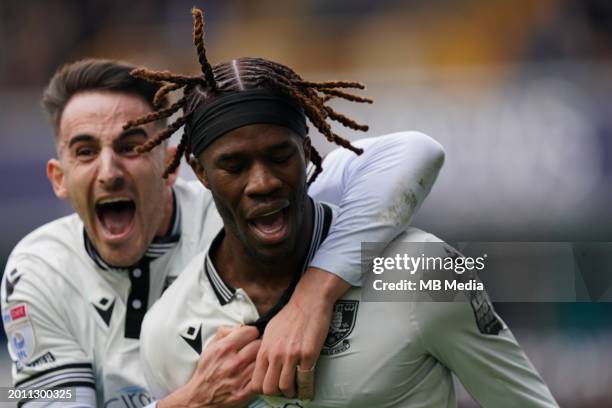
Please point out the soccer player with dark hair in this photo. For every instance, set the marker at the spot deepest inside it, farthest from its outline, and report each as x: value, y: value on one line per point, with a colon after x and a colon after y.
x: 246, y: 139
x: 75, y: 291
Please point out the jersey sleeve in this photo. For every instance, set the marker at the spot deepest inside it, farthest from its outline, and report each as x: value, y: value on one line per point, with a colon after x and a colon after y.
x: 377, y: 193
x: 473, y: 342
x: 492, y: 366
x: 469, y: 338
x: 43, y: 348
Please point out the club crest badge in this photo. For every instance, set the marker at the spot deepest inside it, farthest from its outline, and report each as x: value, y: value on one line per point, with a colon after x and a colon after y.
x: 342, y: 324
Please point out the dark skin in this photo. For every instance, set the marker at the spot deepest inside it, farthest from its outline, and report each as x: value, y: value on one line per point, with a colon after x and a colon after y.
x: 264, y: 174
x: 257, y: 175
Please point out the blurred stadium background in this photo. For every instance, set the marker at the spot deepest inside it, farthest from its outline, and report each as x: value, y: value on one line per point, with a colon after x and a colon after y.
x: 518, y: 92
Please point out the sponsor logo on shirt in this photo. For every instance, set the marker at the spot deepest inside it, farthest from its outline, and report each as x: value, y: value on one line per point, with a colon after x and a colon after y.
x: 130, y: 397
x: 18, y: 312
x: 15, y: 314
x: 46, y: 358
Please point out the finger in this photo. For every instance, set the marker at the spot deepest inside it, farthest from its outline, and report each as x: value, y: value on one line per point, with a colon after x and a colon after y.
x: 245, y: 398
x: 222, y: 332
x: 305, y: 376
x: 246, y: 393
x: 308, y: 360
x: 240, y: 337
x: 248, y: 353
x: 261, y: 366
x: 305, y: 383
x: 246, y: 376
x: 287, y: 378
x: 270, y: 383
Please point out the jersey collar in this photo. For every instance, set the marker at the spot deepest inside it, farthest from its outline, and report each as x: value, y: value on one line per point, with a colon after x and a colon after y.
x: 225, y: 293
x: 157, y: 248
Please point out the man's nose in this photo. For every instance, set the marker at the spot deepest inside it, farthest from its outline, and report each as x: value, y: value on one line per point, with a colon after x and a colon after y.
x: 262, y: 181
x: 110, y: 172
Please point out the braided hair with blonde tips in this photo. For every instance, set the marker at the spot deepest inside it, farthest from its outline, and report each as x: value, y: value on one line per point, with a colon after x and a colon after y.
x: 198, y: 41
x: 242, y: 74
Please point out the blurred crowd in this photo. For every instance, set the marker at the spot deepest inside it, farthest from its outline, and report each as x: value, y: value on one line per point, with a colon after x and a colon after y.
x: 36, y: 36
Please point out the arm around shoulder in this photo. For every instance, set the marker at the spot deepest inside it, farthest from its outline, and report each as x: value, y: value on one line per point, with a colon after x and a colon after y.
x: 378, y: 194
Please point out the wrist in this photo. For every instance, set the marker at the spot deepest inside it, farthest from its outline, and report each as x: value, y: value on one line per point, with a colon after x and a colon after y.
x: 320, y: 288
x: 174, y: 400
x: 168, y: 402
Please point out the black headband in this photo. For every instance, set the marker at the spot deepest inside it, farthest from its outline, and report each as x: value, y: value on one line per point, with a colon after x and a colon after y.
x: 211, y: 121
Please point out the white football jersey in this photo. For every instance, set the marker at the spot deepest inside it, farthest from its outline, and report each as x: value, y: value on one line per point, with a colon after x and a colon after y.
x: 73, y: 320
x: 377, y: 354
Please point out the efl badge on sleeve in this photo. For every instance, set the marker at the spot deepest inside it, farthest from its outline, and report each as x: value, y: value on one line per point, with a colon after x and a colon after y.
x: 19, y: 332
x: 21, y: 342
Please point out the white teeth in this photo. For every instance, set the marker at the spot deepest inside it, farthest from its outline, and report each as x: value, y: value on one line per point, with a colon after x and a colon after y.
x: 270, y: 213
x: 114, y: 200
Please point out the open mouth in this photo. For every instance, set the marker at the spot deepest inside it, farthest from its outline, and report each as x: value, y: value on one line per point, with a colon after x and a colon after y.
x: 271, y: 227
x: 116, y: 215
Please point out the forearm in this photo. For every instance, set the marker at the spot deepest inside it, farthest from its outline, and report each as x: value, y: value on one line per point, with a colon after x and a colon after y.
x: 179, y: 398
x: 378, y: 193
x: 320, y: 288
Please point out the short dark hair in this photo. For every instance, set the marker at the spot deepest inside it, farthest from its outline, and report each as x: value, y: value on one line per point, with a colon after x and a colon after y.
x: 89, y: 75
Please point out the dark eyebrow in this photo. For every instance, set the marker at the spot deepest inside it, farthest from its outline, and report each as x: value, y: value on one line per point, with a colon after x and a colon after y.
x: 137, y: 131
x: 123, y: 135
x: 80, y: 138
x: 225, y: 157
x: 280, y: 146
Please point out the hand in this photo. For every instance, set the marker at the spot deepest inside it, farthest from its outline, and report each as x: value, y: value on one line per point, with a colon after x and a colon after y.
x: 221, y: 378
x: 295, y: 336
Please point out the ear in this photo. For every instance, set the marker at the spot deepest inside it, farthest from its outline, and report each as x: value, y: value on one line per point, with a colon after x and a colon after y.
x: 55, y: 174
x: 199, y: 171
x: 307, y: 147
x: 170, y: 152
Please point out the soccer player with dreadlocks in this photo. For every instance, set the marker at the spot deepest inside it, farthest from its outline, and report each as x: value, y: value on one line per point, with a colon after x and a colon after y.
x: 274, y: 373
x: 246, y: 140
x: 75, y: 291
